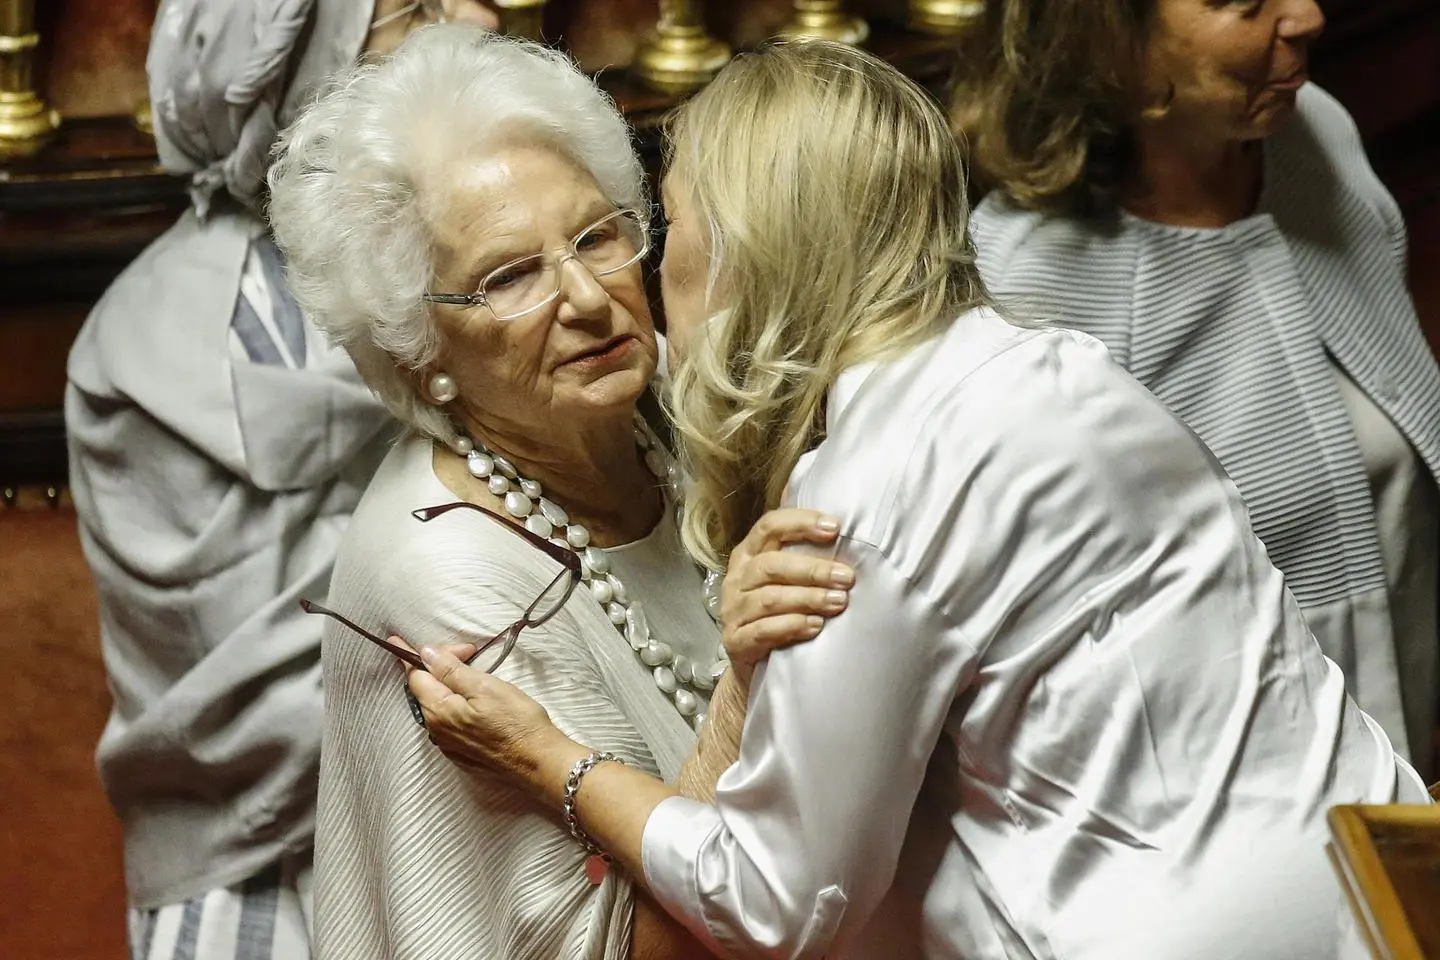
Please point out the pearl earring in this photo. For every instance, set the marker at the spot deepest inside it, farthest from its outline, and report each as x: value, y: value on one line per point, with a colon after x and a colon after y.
x: 442, y: 388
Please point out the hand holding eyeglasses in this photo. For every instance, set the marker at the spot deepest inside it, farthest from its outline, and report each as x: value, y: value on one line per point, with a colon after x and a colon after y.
x: 477, y: 719
x: 771, y: 598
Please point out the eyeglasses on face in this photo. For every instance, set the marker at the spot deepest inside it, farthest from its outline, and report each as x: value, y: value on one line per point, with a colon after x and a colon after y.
x: 495, y: 650
x: 609, y: 245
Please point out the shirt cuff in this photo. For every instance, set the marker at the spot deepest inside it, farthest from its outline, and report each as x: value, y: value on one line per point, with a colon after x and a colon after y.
x: 669, y: 852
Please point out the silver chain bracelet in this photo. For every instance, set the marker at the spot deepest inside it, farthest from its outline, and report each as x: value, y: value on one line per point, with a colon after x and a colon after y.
x: 572, y: 788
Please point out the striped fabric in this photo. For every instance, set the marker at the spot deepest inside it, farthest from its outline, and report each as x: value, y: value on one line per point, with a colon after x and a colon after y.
x: 267, y: 326
x: 265, y: 918
x: 1236, y: 329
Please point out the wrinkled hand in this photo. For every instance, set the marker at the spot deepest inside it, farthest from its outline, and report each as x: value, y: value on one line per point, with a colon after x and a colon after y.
x: 462, y: 651
x: 774, y: 598
x: 477, y: 719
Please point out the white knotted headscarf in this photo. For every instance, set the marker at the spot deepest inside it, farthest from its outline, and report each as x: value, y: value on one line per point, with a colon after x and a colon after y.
x: 227, y: 75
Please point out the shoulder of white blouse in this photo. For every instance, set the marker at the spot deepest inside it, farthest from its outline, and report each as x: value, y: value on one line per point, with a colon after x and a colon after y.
x: 932, y: 431
x: 458, y: 554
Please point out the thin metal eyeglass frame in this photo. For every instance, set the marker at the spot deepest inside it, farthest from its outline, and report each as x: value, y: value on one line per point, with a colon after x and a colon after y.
x: 478, y: 299
x: 431, y: 8
x: 510, y: 634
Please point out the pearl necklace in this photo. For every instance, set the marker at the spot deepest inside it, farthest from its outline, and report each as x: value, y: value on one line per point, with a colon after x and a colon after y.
x: 675, y: 674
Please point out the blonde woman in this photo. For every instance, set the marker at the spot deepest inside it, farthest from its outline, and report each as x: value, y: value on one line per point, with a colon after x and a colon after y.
x: 1096, y: 727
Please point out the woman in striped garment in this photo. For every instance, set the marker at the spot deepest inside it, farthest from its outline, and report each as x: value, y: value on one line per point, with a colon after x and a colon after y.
x: 1165, y: 179
x: 217, y: 448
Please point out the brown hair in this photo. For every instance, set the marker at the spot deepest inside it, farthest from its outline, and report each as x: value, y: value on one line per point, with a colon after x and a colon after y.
x: 1047, y: 95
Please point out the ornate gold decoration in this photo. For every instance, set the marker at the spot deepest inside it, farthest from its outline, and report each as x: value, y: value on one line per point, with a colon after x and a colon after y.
x: 681, y: 56
x: 26, y: 122
x: 825, y: 20
x: 522, y: 18
x: 142, y: 118
x: 944, y: 17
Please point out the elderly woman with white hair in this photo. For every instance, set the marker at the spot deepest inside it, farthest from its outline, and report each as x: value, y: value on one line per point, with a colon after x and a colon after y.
x: 1098, y: 726
x: 468, y: 219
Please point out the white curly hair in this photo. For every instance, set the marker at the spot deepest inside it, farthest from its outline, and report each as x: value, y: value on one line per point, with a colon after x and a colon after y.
x: 346, y: 210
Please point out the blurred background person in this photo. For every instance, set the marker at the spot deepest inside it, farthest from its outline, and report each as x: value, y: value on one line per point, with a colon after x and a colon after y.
x: 217, y: 447
x: 1165, y: 178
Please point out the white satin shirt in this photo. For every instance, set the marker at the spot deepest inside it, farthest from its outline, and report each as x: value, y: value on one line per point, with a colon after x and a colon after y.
x: 1071, y: 711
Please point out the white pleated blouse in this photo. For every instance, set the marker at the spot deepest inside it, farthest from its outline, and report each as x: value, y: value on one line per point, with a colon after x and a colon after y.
x: 1071, y: 711
x: 417, y: 858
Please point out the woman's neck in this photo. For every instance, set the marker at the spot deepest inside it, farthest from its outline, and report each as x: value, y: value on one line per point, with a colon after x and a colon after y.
x: 594, y: 471
x: 1187, y: 181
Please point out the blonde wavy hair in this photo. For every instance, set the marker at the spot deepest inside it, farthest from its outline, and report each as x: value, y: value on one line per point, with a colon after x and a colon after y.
x: 835, y: 199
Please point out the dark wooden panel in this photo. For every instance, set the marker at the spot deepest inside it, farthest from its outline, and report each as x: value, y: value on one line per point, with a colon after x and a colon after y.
x: 1383, y: 63
x: 40, y: 335
x: 72, y: 216
x: 32, y: 448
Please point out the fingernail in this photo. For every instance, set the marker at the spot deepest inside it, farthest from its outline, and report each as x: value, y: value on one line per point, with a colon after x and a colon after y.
x: 827, y: 525
x: 835, y: 598
x: 842, y: 576
x: 813, y: 625
x: 429, y: 654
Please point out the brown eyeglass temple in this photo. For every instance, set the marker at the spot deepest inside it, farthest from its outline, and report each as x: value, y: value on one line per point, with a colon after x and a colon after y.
x: 310, y: 606
x: 568, y: 558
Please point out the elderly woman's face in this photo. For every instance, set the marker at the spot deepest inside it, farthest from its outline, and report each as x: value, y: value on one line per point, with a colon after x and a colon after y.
x: 1234, y: 65
x: 684, y: 269
x: 590, y: 351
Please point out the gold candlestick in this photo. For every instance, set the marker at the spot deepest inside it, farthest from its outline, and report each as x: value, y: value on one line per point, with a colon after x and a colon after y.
x: 681, y: 56
x: 522, y: 18
x: 143, y: 119
x: 825, y: 20
x: 944, y: 17
x: 25, y: 120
